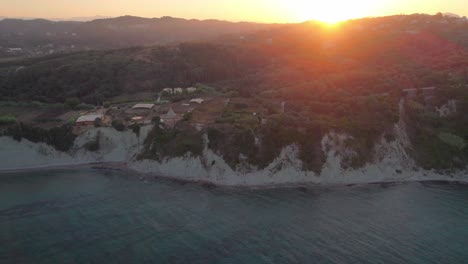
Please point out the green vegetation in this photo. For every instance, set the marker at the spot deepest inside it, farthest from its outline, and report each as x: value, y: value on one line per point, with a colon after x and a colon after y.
x: 118, y: 125
x: 241, y: 136
x: 94, y: 145
x: 135, y: 128
x: 98, y: 76
x: 207, y: 90
x: 61, y: 138
x: 187, y: 116
x: 231, y: 142
x: 177, y: 142
x: 452, y: 140
x: 98, y: 122
x: 259, y: 145
x: 7, y: 120
x: 366, y: 120
x: 144, y: 97
x: 41, y: 105
x: 72, y: 103
x: 439, y: 142
x: 156, y: 120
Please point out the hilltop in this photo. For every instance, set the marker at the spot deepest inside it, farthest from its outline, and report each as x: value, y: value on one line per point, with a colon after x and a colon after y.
x: 19, y: 37
x: 361, y: 57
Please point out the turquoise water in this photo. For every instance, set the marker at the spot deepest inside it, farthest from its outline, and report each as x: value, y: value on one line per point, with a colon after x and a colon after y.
x: 91, y: 216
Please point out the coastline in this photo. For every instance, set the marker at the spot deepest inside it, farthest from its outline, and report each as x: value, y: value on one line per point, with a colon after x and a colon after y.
x: 120, y: 149
x: 150, y: 177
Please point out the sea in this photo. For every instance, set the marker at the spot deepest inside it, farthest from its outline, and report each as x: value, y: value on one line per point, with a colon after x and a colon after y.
x: 87, y: 215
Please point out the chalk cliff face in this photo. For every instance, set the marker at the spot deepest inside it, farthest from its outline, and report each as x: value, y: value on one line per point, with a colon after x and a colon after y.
x: 391, y: 163
x: 114, y: 147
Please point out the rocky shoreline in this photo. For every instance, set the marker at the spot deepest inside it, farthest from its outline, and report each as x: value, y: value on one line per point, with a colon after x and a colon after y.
x: 121, y: 149
x: 149, y: 177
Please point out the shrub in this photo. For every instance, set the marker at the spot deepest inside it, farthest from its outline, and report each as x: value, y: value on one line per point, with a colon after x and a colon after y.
x: 156, y: 120
x: 7, y: 120
x: 98, y: 122
x: 176, y: 142
x: 452, y: 140
x: 61, y: 138
x: 93, y: 145
x: 72, y: 103
x: 135, y: 128
x: 187, y: 116
x: 118, y: 125
x: 85, y: 107
x: 241, y: 106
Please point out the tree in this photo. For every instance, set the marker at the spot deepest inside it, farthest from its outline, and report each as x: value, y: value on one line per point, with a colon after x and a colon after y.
x: 72, y: 103
x: 118, y: 125
x: 98, y: 122
x: 7, y: 120
x: 187, y: 116
x: 156, y: 119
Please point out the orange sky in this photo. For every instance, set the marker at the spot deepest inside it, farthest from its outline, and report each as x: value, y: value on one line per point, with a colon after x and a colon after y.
x: 234, y: 10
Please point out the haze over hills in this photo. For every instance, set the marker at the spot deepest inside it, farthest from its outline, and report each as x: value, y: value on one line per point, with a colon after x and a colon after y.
x: 40, y: 36
x: 78, y: 19
x: 411, y: 51
x: 81, y: 19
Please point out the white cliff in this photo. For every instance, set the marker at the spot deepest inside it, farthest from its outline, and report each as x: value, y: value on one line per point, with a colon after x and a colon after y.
x: 391, y: 162
x: 114, y: 147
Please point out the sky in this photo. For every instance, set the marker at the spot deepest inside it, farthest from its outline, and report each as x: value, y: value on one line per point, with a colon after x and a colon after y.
x: 280, y: 11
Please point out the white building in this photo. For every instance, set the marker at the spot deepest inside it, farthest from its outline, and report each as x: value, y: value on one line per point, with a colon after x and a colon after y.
x: 143, y: 106
x: 178, y: 91
x: 197, y: 100
x: 448, y: 109
x: 167, y: 90
x: 191, y: 90
x: 171, y: 118
x: 88, y: 119
x: 15, y: 49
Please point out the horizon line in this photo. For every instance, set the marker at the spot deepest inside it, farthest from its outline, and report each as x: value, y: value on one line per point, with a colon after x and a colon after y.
x: 84, y: 19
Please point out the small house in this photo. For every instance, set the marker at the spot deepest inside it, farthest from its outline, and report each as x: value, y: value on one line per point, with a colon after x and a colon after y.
x: 197, y: 100
x: 410, y: 93
x: 143, y: 106
x: 11, y: 50
x: 428, y: 91
x: 170, y: 118
x: 89, y: 119
x: 167, y: 91
x: 178, y: 91
x: 448, y: 109
x: 191, y: 90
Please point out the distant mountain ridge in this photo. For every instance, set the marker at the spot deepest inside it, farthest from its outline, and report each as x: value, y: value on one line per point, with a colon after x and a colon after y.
x: 110, y: 33
x: 81, y: 19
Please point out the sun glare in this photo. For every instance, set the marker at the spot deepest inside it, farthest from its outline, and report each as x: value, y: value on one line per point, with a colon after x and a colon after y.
x: 328, y: 11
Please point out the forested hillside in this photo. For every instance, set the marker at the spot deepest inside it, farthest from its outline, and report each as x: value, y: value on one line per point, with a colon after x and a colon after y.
x: 301, y: 61
x: 97, y: 76
x: 39, y: 37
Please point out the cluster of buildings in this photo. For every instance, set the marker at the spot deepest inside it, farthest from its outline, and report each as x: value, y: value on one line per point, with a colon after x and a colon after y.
x: 141, y: 113
x: 174, y: 91
x: 11, y: 51
x: 427, y: 92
